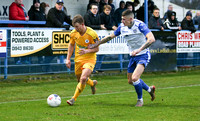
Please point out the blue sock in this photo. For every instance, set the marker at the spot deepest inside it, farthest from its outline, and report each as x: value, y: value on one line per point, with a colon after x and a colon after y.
x: 138, y: 88
x: 144, y: 85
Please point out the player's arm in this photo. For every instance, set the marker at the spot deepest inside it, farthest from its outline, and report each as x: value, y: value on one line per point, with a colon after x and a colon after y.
x: 104, y: 40
x: 90, y: 50
x: 150, y: 40
x: 69, y: 54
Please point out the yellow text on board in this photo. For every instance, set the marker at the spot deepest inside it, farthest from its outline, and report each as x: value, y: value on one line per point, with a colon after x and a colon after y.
x: 60, y: 40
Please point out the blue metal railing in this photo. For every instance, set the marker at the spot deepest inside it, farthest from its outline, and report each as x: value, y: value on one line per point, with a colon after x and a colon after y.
x: 25, y: 22
x: 116, y: 62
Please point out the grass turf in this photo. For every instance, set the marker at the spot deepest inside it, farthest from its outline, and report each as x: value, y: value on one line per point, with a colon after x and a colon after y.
x: 177, y: 99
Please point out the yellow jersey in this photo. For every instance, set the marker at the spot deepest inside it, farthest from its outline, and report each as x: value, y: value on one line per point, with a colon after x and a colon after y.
x: 89, y: 37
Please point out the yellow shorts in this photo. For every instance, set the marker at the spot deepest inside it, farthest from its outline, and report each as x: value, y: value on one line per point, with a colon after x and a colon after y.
x: 79, y: 66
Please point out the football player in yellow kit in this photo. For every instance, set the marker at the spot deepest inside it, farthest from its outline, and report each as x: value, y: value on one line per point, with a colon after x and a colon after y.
x: 85, y: 59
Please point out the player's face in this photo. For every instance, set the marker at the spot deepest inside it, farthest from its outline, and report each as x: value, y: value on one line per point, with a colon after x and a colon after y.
x: 126, y: 20
x: 79, y: 27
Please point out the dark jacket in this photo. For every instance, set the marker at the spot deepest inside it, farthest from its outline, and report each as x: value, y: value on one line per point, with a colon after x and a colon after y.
x: 35, y: 15
x: 187, y: 25
x: 56, y: 18
x: 169, y: 23
x: 92, y: 21
x: 107, y: 21
x: 156, y: 23
x: 199, y: 26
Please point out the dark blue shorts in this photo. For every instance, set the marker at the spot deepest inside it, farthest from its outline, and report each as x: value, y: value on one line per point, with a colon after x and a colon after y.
x: 140, y: 59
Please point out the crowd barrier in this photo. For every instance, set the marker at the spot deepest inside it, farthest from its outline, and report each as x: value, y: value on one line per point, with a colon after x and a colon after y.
x: 114, y: 54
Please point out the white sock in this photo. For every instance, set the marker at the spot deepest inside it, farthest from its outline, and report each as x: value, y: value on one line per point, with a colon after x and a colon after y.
x: 136, y: 82
x: 141, y: 99
x: 149, y: 90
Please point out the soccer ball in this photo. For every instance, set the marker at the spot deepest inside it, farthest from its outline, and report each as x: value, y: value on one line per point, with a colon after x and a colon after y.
x: 54, y: 100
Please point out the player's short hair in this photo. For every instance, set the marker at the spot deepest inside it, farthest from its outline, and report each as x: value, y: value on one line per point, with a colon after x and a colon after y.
x: 77, y: 19
x: 107, y: 6
x: 128, y: 13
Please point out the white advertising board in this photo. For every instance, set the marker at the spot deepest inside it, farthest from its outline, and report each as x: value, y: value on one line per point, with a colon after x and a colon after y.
x: 3, y: 38
x: 28, y: 41
x: 114, y: 46
x: 187, y: 42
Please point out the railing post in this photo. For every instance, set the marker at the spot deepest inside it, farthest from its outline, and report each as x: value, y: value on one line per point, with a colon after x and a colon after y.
x: 6, y: 58
x: 121, y: 62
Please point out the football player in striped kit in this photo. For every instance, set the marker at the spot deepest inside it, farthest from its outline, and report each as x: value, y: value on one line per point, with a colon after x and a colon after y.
x: 138, y: 38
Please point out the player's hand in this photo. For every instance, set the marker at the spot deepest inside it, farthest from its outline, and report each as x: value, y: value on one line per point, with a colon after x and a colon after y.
x: 68, y: 63
x: 135, y: 52
x: 82, y: 51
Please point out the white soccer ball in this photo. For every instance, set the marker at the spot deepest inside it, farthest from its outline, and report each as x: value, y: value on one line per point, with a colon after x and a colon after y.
x: 54, y: 100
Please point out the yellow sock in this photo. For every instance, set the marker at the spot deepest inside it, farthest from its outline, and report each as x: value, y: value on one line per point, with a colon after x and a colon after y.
x: 90, y: 82
x: 79, y: 88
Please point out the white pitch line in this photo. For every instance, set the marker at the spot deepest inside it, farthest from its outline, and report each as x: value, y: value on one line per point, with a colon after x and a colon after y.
x: 97, y: 94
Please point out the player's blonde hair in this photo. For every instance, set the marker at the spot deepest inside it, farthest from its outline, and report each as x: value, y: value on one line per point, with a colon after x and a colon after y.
x: 77, y: 19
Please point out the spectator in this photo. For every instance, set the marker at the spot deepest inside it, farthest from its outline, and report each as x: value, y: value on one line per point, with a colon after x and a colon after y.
x: 133, y: 4
x: 140, y: 11
x: 151, y: 7
x: 196, y: 19
x: 92, y: 18
x: 101, y: 5
x: 155, y: 21
x: 93, y: 1
x: 56, y: 16
x: 17, y: 12
x: 45, y: 7
x: 118, y: 12
x: 129, y: 7
x: 171, y: 21
x: 36, y: 13
x: 110, y: 2
x: 187, y: 22
x: 169, y: 10
x: 106, y: 18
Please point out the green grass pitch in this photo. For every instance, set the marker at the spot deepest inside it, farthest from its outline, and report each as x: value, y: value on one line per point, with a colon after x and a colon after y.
x: 177, y: 99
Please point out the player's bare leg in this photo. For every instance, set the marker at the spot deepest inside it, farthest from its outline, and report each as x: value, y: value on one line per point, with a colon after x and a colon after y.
x: 81, y: 85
